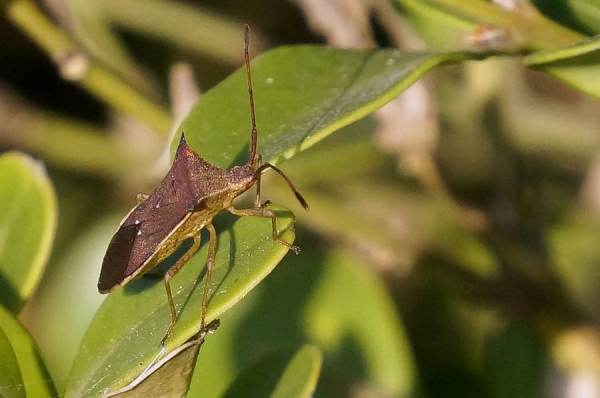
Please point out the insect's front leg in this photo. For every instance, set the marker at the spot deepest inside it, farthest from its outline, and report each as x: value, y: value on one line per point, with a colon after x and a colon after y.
x: 264, y: 212
x: 169, y: 275
x: 257, y: 197
x: 210, y: 261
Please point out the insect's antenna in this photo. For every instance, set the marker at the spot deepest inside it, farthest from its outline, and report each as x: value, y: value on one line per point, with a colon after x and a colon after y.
x: 300, y: 198
x: 253, y: 136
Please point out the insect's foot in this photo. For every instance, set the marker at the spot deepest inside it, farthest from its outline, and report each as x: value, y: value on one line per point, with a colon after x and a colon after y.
x: 265, y: 204
x: 164, y: 339
x: 294, y: 248
x: 212, y: 326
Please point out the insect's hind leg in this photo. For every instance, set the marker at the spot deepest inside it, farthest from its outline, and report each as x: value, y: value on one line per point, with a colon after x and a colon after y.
x: 169, y: 275
x: 265, y: 212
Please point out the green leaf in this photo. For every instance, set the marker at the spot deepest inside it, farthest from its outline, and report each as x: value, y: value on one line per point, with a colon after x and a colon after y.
x: 35, y: 378
x: 362, y: 314
x: 169, y: 377
x: 93, y: 30
x: 328, y: 299
x: 210, y: 34
x: 125, y: 335
x: 283, y: 374
x: 521, y: 27
x: 11, y: 383
x: 171, y: 380
x: 577, y: 65
x: 575, y: 253
x: 27, y: 225
x: 583, y: 15
x: 302, y: 94
x: 58, y: 331
x: 438, y: 25
x: 515, y: 362
x: 300, y: 376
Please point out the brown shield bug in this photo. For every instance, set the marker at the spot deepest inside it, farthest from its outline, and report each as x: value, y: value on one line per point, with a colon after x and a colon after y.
x: 191, y: 194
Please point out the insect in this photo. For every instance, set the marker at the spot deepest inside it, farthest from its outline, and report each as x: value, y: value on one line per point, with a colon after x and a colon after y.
x: 191, y: 194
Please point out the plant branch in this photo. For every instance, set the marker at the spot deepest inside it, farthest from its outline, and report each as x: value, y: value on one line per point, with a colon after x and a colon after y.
x: 76, y: 66
x: 531, y: 26
x: 204, y: 32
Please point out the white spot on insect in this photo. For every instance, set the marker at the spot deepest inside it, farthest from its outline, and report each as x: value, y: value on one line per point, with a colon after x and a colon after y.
x: 137, y: 222
x: 139, y: 232
x: 269, y: 80
x: 157, y: 206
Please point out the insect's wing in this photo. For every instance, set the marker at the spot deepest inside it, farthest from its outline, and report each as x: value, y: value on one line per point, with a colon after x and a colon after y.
x: 117, y: 258
x: 148, y: 226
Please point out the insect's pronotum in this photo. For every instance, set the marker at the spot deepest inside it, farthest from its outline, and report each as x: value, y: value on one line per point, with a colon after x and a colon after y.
x: 192, y: 193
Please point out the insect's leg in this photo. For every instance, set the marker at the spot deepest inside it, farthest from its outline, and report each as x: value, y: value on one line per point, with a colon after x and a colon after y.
x: 264, y: 212
x: 141, y: 197
x: 257, y: 197
x: 210, y: 260
x: 169, y: 275
x: 265, y: 166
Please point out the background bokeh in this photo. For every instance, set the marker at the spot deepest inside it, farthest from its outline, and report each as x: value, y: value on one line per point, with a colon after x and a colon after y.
x: 451, y: 248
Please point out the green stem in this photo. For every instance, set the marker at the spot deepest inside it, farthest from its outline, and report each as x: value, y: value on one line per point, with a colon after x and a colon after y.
x: 205, y: 32
x: 76, y: 66
x: 538, y: 31
x: 46, y: 135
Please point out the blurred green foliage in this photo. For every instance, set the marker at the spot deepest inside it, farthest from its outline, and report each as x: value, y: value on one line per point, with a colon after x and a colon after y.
x: 279, y: 376
x: 450, y: 249
x: 36, y: 382
x: 27, y: 224
x: 12, y: 383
